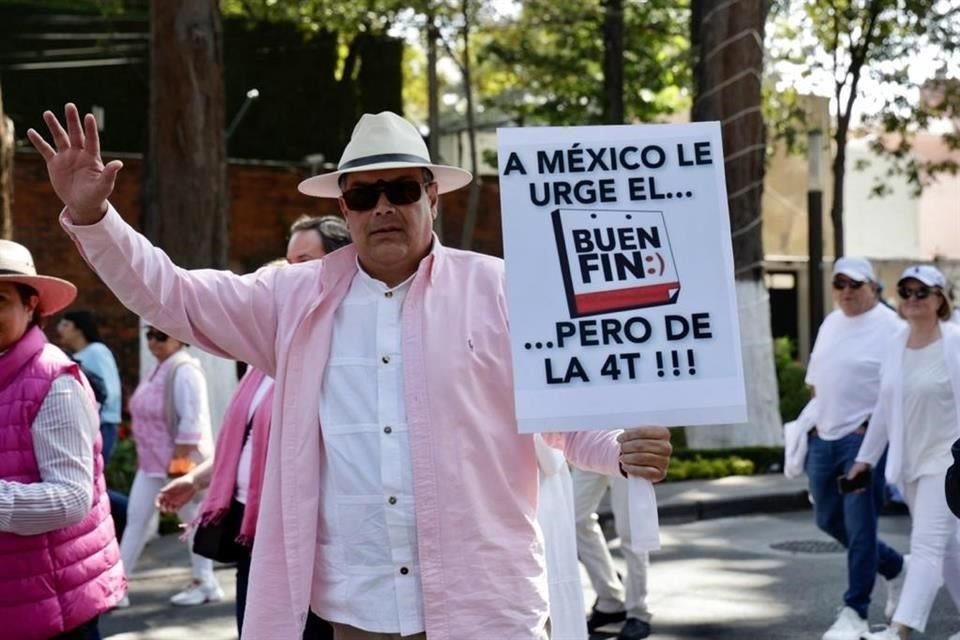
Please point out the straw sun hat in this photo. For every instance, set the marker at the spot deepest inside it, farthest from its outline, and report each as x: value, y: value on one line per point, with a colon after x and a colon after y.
x: 384, y: 141
x: 16, y: 266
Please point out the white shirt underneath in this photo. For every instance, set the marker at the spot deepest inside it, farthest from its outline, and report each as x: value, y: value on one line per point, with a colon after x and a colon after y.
x: 368, y: 528
x: 246, y: 454
x: 845, y: 368
x: 929, y: 412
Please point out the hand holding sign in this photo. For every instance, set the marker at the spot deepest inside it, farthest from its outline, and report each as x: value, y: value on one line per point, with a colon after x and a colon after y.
x: 620, y: 288
x: 644, y: 456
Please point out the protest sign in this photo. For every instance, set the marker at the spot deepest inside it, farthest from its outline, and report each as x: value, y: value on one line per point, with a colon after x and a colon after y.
x: 620, y: 284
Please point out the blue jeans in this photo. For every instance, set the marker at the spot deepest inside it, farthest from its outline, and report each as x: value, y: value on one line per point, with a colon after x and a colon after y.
x: 108, y: 433
x: 852, y: 518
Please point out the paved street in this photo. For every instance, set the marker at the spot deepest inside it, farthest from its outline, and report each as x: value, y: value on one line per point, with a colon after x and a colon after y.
x: 714, y: 579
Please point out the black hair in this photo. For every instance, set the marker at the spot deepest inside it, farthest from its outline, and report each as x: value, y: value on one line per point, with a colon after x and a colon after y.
x: 26, y: 292
x: 332, y: 230
x: 86, y: 322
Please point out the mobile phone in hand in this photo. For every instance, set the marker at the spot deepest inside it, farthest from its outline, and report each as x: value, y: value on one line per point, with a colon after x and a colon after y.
x: 862, y: 481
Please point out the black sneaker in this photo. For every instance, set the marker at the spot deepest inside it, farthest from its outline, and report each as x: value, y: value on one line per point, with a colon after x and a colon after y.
x: 634, y: 629
x: 599, y: 619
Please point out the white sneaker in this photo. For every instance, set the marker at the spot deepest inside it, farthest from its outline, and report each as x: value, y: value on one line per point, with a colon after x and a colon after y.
x: 887, y: 633
x: 197, y: 593
x: 894, y: 587
x: 848, y: 626
x: 123, y: 603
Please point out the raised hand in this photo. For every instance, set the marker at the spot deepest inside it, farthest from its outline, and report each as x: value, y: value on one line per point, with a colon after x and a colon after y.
x: 76, y: 171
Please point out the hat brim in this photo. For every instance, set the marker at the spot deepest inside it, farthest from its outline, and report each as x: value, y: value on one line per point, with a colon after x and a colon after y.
x: 856, y: 276
x: 327, y: 185
x: 925, y: 281
x: 55, y: 294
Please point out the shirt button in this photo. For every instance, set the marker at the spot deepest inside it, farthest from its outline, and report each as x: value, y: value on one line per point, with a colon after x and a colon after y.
x: 385, y: 359
x: 388, y: 294
x: 404, y: 571
x: 392, y: 500
x: 388, y: 429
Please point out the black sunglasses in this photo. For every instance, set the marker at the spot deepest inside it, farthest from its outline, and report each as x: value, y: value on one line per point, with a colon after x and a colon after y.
x: 920, y: 293
x: 840, y: 285
x: 159, y: 336
x: 398, y: 192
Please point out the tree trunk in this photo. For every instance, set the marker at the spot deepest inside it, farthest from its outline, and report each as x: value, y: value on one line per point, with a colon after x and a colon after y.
x: 186, y: 206
x: 186, y: 197
x: 613, y: 112
x: 839, y: 171
x: 433, y: 106
x: 473, y: 199
x: 6, y: 173
x: 727, y: 39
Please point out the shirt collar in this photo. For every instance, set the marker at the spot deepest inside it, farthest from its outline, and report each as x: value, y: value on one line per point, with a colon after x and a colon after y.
x: 427, y: 264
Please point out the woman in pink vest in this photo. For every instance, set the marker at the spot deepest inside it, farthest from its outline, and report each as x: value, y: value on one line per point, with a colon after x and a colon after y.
x: 170, y: 417
x: 59, y: 563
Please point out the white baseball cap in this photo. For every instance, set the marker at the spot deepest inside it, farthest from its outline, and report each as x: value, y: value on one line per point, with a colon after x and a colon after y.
x: 925, y: 273
x: 857, y: 269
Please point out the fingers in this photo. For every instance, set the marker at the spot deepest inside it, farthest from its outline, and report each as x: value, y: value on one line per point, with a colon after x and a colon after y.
x: 651, y: 473
x: 74, y: 128
x: 46, y: 151
x: 647, y: 445
x: 657, y: 433
x: 56, y: 131
x: 92, y: 135
x: 110, y: 171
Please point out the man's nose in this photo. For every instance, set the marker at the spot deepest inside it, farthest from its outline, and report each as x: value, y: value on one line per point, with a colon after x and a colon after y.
x: 383, y: 204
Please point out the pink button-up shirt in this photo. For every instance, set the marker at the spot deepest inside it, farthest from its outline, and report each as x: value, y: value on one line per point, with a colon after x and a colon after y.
x: 475, y: 477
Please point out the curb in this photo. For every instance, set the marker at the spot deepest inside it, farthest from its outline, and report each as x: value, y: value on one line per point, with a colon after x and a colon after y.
x: 692, y: 511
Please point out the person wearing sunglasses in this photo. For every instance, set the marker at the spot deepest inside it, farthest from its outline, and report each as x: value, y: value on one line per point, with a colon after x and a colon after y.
x: 398, y: 498
x: 844, y: 374
x: 917, y: 416
x: 170, y: 422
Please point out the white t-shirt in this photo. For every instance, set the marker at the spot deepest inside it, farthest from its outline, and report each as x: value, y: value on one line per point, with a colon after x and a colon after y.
x: 929, y: 412
x: 246, y: 454
x: 844, y: 368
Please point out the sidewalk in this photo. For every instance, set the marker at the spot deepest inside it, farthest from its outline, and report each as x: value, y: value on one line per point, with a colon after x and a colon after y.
x: 163, y: 568
x: 692, y: 500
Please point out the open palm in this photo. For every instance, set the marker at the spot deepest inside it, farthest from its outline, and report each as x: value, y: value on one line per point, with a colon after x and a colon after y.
x: 77, y: 173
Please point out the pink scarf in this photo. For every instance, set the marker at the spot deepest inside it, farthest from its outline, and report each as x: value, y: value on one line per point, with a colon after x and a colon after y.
x: 229, y: 446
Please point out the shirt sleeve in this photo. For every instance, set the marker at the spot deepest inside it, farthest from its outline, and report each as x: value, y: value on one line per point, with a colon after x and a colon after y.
x: 192, y: 404
x: 63, y: 433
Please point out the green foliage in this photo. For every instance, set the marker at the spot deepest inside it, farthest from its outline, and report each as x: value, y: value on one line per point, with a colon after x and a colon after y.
x: 545, y: 66
x: 701, y: 468
x: 794, y: 392
x: 763, y: 459
x: 122, y: 466
x: 870, y: 49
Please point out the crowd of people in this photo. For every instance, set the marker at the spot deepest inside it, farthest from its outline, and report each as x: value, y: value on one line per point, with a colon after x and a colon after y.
x: 368, y: 486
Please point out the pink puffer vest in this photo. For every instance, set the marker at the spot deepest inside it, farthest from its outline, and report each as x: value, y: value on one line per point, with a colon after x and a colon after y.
x: 56, y: 581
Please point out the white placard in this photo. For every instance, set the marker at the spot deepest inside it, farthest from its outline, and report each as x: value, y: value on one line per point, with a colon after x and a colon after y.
x: 620, y: 282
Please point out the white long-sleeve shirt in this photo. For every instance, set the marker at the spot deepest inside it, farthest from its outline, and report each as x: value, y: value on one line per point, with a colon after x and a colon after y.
x: 63, y: 434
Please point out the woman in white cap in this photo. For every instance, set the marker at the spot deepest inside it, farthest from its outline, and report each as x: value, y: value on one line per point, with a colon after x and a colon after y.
x: 58, y: 550
x: 917, y: 415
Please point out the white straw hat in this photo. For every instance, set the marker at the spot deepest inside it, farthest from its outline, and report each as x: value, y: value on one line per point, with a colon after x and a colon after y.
x: 16, y: 265
x: 384, y: 141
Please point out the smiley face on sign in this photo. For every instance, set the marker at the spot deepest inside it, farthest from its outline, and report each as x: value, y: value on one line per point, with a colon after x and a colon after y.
x: 614, y: 260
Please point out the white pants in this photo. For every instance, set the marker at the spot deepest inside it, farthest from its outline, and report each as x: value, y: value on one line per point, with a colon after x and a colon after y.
x: 934, y: 551
x: 588, y: 489
x: 140, y: 514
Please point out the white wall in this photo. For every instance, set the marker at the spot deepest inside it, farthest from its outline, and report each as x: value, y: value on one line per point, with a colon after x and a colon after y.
x: 885, y: 227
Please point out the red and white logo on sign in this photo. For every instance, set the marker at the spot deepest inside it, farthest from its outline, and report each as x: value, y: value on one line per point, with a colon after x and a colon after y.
x: 614, y: 260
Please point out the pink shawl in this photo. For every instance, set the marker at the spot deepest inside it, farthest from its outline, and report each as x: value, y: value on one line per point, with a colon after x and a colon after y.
x: 227, y: 459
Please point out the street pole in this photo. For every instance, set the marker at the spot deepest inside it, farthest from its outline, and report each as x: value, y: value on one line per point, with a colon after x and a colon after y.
x: 815, y: 230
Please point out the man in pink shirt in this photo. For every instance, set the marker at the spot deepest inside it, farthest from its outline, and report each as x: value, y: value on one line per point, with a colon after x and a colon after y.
x: 399, y: 499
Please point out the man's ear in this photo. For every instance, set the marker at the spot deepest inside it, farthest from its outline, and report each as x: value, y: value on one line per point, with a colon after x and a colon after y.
x: 343, y: 207
x: 433, y: 193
